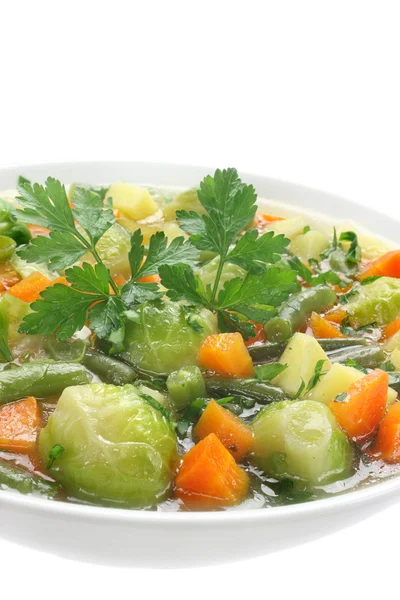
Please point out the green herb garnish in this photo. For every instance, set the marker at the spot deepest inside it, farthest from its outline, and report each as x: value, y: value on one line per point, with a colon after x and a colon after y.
x: 54, y: 454
x: 269, y: 371
x: 353, y: 255
x: 316, y: 377
x: 92, y: 293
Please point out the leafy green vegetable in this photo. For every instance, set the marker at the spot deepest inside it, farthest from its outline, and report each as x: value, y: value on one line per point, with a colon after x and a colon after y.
x: 74, y: 233
x: 230, y: 206
x: 269, y: 371
x: 318, y: 373
x: 190, y: 416
x: 54, y: 455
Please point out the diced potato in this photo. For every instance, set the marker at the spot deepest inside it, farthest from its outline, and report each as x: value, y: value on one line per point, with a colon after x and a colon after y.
x: 301, y: 356
x: 395, y: 358
x: 338, y: 379
x: 133, y: 201
x: 290, y: 228
x: 309, y: 245
x: 392, y: 343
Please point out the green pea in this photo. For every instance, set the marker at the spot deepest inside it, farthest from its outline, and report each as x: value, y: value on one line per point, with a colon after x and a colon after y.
x: 7, y: 247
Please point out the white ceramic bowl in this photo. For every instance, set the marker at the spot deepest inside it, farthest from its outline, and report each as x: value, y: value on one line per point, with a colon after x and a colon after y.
x: 152, y: 539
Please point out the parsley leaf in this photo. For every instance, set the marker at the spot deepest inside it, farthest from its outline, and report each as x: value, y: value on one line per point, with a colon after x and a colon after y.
x: 90, y: 213
x: 59, y: 249
x: 346, y: 298
x: 229, y: 321
x: 370, y: 279
x: 388, y: 366
x: 183, y: 284
x: 160, y: 253
x: 269, y: 371
x: 190, y: 416
x: 54, y: 454
x: 316, y: 377
x: 157, y: 405
x: 252, y: 251
x: 301, y: 389
x: 350, y: 362
x: 353, y: 255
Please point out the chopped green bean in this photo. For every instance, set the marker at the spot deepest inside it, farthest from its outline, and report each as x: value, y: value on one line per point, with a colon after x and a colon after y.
x: 366, y: 356
x: 15, y: 478
x: 253, y: 389
x: 108, y: 369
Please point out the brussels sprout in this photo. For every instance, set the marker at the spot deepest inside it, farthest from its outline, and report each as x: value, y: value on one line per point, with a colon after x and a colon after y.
x: 377, y: 302
x: 15, y: 310
x: 208, y: 272
x: 118, y: 449
x: 302, y: 441
x: 165, y: 337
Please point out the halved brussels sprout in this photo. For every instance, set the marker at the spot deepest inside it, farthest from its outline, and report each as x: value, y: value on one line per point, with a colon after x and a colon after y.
x: 118, y: 449
x: 166, y: 337
x: 377, y: 302
x: 302, y: 441
x: 113, y: 248
x: 208, y: 272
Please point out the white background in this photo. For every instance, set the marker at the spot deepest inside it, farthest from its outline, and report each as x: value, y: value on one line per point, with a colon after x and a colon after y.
x: 305, y: 91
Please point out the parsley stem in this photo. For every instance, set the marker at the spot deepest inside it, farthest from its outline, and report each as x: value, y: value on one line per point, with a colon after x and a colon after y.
x: 96, y: 255
x: 217, y: 278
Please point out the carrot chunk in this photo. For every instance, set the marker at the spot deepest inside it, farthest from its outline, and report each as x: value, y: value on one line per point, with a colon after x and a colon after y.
x: 209, y: 477
x: 263, y: 219
x: 258, y: 337
x: 322, y: 328
x: 229, y: 429
x: 387, y: 265
x: 19, y: 423
x: 119, y: 279
x: 226, y: 354
x: 387, y: 444
x: 360, y: 412
x: 336, y: 316
x: 150, y: 279
x: 391, y: 329
x: 29, y: 288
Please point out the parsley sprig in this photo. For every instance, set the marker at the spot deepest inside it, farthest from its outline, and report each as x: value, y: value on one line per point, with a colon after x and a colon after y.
x: 229, y: 207
x: 92, y: 294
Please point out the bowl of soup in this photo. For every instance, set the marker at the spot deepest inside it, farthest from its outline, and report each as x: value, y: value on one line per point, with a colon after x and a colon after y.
x: 197, y: 365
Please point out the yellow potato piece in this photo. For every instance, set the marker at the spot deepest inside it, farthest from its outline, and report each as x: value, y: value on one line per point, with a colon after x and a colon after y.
x: 133, y: 201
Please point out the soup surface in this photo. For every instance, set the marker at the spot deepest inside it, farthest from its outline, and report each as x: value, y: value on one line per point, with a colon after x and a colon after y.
x: 185, y: 350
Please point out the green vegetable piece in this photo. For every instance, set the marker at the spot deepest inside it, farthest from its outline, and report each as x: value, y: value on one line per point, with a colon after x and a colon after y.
x: 14, y: 310
x: 7, y: 247
x: 119, y: 449
x: 366, y: 356
x: 70, y: 351
x: 185, y: 385
x: 208, y: 273
x: 378, y: 302
x: 108, y: 369
x: 306, y: 360
x: 301, y: 441
x: 187, y: 200
x: 54, y: 454
x: 23, y: 268
x: 113, y: 249
x: 162, y: 341
x: 252, y: 389
x: 15, y: 478
x: 309, y: 245
x: 269, y: 371
x: 40, y: 379
x: 294, y: 313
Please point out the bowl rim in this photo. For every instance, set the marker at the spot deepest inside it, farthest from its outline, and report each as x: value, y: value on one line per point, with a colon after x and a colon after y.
x: 371, y: 492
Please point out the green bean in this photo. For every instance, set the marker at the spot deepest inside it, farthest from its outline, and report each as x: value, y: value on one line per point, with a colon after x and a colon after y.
x: 108, y: 369
x: 272, y: 350
x: 7, y: 247
x: 253, y: 389
x: 294, y: 313
x: 366, y: 356
x: 24, y: 482
x: 40, y: 379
